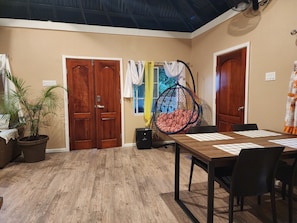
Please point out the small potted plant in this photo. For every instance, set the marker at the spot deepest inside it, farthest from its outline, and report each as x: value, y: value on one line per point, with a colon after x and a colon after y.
x: 36, y: 113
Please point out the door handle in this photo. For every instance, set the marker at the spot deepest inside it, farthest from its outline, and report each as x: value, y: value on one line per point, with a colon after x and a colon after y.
x: 99, y: 106
x: 240, y: 108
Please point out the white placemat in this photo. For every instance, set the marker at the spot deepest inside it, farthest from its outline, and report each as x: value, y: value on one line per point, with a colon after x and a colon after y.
x: 236, y: 147
x: 209, y: 136
x: 292, y: 142
x: 257, y: 133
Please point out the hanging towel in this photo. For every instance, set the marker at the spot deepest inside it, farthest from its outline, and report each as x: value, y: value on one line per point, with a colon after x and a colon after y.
x: 176, y: 69
x: 134, y: 75
x: 291, y: 106
x: 5, y: 67
x: 7, y: 84
x: 148, y: 92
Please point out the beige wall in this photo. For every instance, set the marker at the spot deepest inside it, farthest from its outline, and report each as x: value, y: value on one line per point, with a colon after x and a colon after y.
x: 272, y: 48
x: 36, y: 55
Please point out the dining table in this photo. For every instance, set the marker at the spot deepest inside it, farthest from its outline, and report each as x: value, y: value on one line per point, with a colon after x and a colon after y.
x: 221, y: 150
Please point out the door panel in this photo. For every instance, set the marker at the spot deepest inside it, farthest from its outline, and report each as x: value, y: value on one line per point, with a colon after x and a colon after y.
x: 230, y: 95
x: 81, y: 107
x: 108, y: 111
x: 94, y: 103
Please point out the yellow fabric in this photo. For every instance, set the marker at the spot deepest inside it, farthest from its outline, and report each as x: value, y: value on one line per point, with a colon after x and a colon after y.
x: 148, y: 91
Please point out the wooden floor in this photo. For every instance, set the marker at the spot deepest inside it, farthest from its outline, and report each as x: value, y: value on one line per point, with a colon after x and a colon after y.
x: 109, y: 186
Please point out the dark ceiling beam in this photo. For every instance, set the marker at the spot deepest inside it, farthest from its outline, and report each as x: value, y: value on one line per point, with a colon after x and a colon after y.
x: 189, y: 3
x: 28, y: 9
x: 131, y: 16
x: 54, y: 10
x: 82, y: 12
x: 213, y: 7
x: 184, y: 18
x: 147, y: 5
x: 106, y: 13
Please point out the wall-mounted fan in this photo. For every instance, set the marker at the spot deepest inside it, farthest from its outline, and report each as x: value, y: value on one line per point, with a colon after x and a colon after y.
x: 242, y: 5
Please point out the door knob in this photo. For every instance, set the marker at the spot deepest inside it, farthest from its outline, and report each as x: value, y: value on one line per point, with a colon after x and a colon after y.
x: 240, y: 108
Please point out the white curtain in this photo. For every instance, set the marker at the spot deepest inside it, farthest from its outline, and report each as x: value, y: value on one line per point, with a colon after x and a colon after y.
x: 134, y: 76
x: 5, y: 66
x: 176, y: 69
x: 8, y: 85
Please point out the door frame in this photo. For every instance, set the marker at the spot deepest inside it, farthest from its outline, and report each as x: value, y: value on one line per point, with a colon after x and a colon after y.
x: 64, y: 57
x: 219, y: 53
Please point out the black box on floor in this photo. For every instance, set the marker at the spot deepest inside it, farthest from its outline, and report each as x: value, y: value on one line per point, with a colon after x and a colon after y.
x: 143, y: 138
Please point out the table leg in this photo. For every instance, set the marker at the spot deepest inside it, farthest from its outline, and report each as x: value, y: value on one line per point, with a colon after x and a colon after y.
x: 176, y: 185
x: 176, y: 176
x: 210, y: 196
x: 1, y: 202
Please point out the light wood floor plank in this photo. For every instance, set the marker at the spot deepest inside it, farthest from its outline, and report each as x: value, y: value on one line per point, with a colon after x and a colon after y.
x: 93, y: 186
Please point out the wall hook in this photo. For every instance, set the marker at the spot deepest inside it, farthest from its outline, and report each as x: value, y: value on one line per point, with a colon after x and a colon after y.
x: 294, y: 32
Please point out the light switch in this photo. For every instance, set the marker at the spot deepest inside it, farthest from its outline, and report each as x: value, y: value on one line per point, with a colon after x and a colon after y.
x: 270, y: 76
x: 47, y: 83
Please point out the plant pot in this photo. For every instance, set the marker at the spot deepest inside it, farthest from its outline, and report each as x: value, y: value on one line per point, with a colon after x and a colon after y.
x: 33, y: 150
x: 16, y: 152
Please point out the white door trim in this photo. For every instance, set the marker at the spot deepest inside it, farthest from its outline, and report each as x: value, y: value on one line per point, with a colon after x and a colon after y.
x: 215, y: 55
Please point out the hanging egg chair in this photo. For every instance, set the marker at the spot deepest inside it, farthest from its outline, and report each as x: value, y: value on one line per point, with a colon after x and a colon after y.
x: 176, y: 109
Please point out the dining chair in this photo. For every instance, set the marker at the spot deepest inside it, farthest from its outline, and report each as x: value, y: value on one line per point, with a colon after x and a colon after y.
x: 195, y: 160
x: 244, y: 127
x: 253, y: 175
x: 1, y: 202
x: 287, y: 175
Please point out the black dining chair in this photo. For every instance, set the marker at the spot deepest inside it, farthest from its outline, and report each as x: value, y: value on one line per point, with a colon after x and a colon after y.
x: 195, y: 160
x: 287, y: 175
x: 253, y: 175
x: 244, y: 127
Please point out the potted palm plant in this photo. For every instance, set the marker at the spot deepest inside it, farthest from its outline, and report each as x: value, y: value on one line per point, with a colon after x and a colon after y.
x: 36, y: 113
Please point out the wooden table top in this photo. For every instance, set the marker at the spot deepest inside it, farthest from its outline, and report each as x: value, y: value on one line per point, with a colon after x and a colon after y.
x: 206, y: 150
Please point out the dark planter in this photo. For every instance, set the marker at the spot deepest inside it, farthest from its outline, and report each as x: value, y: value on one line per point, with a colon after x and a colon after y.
x: 6, y: 151
x: 16, y: 152
x: 33, y: 150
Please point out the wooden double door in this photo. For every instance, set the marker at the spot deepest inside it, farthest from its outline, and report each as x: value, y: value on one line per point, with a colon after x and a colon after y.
x: 94, y: 103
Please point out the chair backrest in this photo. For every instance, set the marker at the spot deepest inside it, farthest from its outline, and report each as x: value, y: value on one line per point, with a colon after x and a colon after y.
x: 294, y: 176
x: 254, y: 171
x: 243, y: 127
x: 202, y: 129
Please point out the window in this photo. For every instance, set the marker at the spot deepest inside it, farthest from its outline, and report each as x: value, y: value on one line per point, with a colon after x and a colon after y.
x: 161, y: 83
